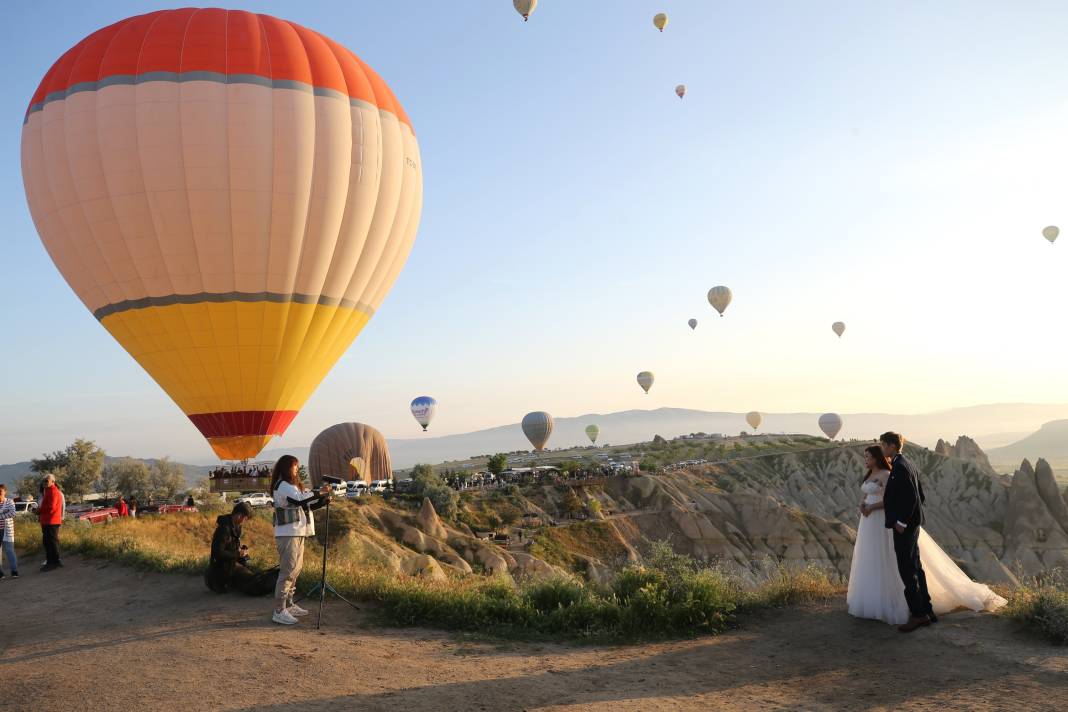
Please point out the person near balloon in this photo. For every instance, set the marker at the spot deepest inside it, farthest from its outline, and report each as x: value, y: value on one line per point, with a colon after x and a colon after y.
x: 124, y: 510
x: 7, y: 533
x: 899, y: 574
x: 293, y: 523
x: 50, y: 513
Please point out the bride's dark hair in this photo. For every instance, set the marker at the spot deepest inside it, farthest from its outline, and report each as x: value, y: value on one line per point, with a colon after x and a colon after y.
x: 882, y: 462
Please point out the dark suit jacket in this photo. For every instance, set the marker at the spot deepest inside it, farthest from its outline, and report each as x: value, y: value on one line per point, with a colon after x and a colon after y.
x: 903, y: 498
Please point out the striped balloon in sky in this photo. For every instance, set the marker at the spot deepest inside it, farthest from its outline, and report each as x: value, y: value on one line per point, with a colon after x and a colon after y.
x: 538, y: 426
x: 423, y: 410
x: 232, y: 196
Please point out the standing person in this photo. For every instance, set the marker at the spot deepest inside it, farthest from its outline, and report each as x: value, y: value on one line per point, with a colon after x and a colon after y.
x: 50, y: 513
x: 133, y: 507
x: 293, y: 522
x: 124, y: 511
x: 903, y: 508
x: 7, y: 532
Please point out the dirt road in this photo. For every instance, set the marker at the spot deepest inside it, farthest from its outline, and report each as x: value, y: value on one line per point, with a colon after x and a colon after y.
x: 99, y: 636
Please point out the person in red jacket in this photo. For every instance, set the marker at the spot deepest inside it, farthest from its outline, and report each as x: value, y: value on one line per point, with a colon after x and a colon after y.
x: 124, y: 511
x: 50, y: 513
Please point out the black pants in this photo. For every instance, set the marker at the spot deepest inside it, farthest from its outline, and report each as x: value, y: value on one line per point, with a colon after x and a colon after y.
x: 907, y: 550
x: 50, y: 539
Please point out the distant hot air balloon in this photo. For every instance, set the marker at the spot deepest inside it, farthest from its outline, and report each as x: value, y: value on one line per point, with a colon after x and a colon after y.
x: 423, y: 410
x: 680, y: 90
x: 830, y: 424
x: 592, y: 431
x: 525, y: 7
x: 645, y: 380
x: 538, y: 426
x: 754, y: 419
x: 838, y: 327
x: 1051, y: 233
x: 692, y: 323
x: 660, y: 21
x: 719, y: 298
x: 232, y: 196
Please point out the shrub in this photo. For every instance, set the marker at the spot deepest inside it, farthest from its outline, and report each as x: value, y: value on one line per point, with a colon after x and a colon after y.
x: 1042, y: 603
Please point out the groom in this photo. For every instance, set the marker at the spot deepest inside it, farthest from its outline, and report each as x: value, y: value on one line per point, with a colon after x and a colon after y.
x: 903, y: 505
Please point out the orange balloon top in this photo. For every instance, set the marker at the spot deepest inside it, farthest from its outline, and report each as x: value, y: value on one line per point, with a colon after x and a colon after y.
x: 234, y: 46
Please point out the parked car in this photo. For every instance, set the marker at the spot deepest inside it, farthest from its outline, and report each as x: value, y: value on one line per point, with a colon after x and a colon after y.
x: 95, y: 515
x: 340, y: 489
x: 356, y: 488
x: 379, y: 485
x: 29, y: 507
x: 256, y: 499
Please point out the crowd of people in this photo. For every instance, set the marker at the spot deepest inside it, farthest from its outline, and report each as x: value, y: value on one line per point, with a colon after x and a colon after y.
x: 240, y: 471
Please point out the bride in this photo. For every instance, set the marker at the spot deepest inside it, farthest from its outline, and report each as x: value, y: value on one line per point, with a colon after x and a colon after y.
x: 875, y: 588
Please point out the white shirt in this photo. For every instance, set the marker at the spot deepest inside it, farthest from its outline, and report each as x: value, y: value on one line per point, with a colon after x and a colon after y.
x: 305, y: 524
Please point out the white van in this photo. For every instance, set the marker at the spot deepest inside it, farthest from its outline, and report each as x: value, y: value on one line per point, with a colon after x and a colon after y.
x: 356, y: 488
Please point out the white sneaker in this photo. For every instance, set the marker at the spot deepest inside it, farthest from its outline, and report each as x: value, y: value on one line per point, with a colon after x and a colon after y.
x: 295, y: 610
x: 284, y: 618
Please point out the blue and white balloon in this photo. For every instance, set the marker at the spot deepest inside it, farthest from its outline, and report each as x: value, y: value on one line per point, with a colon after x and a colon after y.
x: 423, y: 409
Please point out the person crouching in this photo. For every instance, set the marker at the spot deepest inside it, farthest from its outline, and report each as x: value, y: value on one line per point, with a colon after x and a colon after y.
x: 293, y: 522
x: 228, y: 567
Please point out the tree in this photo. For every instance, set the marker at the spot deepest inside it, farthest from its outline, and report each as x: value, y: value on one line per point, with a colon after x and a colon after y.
x: 423, y: 475
x: 28, y: 486
x: 84, y: 462
x: 108, y: 481
x: 166, y: 479
x: 53, y: 462
x: 498, y: 463
x: 572, y: 503
x: 131, y: 478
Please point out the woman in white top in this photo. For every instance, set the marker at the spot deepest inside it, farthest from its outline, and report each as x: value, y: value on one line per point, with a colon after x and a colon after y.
x: 293, y: 522
x: 875, y: 587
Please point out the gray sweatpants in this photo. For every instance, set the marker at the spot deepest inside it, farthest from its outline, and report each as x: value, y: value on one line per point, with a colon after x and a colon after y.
x: 290, y: 562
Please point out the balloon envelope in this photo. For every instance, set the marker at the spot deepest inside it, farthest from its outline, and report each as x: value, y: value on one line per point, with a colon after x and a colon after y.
x: 660, y: 21
x: 838, y: 328
x: 351, y: 451
x: 830, y: 424
x: 232, y: 196
x: 524, y: 7
x: 592, y: 431
x: 754, y: 419
x: 645, y: 380
x: 1051, y: 232
x: 719, y: 298
x: 423, y: 410
x: 680, y: 90
x: 692, y: 323
x: 538, y: 426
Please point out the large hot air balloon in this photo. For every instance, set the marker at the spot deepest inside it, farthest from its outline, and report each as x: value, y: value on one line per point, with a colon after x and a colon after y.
x: 838, y: 327
x: 538, y: 426
x: 423, y: 409
x: 592, y: 431
x: 692, y: 323
x: 660, y: 21
x: 232, y: 196
x: 1051, y: 233
x: 351, y: 451
x: 719, y: 298
x: 830, y: 424
x: 525, y: 7
x: 645, y: 380
x: 754, y: 419
x: 680, y: 90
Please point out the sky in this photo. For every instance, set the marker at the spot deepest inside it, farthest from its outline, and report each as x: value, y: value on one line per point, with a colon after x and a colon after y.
x: 887, y: 165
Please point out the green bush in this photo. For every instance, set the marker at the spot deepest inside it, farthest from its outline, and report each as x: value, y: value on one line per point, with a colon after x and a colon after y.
x: 1042, y: 603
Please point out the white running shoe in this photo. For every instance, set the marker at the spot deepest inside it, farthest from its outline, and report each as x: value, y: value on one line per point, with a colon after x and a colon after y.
x: 284, y: 618
x: 295, y: 610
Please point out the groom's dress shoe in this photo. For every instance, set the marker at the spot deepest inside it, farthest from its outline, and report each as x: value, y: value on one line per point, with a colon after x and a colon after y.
x: 933, y: 618
x: 913, y: 624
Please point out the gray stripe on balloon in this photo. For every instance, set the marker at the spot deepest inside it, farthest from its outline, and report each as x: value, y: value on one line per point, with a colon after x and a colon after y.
x: 209, y: 297
x: 198, y: 76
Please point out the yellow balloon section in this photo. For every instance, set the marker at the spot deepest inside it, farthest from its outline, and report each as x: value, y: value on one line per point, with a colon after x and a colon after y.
x: 232, y: 196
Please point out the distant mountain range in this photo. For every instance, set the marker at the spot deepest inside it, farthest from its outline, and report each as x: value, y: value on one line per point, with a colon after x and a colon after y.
x: 990, y: 425
x: 10, y: 473
x: 1049, y: 442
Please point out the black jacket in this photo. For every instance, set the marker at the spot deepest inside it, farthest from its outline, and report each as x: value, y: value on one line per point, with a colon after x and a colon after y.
x: 225, y: 553
x: 903, y: 498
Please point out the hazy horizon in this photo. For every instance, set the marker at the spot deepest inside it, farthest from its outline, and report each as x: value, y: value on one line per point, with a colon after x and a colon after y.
x: 889, y: 167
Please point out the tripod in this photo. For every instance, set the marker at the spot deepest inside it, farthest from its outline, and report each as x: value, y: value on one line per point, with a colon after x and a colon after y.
x: 323, y: 586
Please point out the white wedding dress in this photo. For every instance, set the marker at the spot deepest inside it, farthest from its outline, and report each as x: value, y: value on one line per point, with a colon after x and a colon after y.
x: 875, y: 587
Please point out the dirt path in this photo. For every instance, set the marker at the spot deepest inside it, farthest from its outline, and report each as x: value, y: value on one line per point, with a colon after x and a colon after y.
x: 103, y: 637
